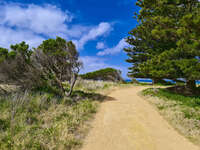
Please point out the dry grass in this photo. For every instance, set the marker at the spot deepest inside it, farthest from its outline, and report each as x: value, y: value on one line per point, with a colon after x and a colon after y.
x: 95, y: 86
x: 44, y: 121
x: 183, y: 117
x: 5, y: 88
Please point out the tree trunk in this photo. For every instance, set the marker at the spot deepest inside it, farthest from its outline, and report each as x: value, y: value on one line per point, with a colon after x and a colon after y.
x: 153, y: 81
x: 60, y: 85
x: 156, y: 80
x: 73, y: 81
x: 191, y: 84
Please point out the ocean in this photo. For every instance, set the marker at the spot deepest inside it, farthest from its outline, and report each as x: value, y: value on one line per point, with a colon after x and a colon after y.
x: 150, y: 81
x: 141, y: 80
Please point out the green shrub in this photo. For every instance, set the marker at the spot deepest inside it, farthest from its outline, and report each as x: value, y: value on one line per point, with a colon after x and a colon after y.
x: 107, y: 74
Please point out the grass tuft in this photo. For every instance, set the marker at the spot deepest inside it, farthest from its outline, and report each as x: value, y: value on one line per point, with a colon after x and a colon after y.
x: 42, y: 121
x: 183, y: 112
x: 45, y: 121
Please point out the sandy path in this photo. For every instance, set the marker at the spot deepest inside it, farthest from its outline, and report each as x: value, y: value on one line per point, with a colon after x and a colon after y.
x: 131, y: 123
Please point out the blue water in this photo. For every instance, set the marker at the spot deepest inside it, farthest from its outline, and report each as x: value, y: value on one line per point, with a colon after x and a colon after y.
x: 145, y: 80
x: 141, y: 80
x: 150, y: 81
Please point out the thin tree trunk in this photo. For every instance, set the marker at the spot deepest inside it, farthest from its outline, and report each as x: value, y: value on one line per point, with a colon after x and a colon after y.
x: 191, y: 84
x: 59, y: 83
x: 73, y: 81
x: 153, y: 81
x: 156, y: 80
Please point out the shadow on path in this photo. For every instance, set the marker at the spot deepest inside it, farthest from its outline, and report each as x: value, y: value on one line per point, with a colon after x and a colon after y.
x: 80, y: 95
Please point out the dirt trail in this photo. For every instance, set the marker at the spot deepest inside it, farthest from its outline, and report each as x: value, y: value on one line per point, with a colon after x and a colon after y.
x: 129, y: 123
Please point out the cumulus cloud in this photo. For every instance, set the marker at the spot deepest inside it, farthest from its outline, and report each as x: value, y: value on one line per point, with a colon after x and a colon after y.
x: 114, y: 50
x: 43, y: 20
x: 92, y: 63
x: 100, y: 45
x: 100, y: 30
x: 31, y: 23
x: 76, y: 31
x: 34, y: 23
x: 10, y: 36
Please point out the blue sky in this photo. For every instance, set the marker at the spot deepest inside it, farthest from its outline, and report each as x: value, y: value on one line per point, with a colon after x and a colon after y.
x: 97, y: 27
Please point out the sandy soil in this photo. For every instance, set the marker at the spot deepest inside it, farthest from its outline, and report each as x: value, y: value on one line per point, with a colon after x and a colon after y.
x: 127, y: 122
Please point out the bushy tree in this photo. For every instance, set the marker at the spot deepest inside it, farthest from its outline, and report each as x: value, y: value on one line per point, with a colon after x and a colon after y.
x: 47, y: 66
x: 107, y: 74
x: 166, y: 44
x: 60, y: 60
x: 15, y: 65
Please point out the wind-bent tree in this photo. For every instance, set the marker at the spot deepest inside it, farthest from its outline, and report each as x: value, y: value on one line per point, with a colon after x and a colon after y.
x: 59, y: 59
x: 166, y: 44
x: 74, y: 65
x: 49, y: 65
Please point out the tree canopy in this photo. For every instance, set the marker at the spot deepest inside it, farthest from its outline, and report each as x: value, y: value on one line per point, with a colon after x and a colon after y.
x: 107, y: 74
x: 47, y: 66
x: 165, y: 43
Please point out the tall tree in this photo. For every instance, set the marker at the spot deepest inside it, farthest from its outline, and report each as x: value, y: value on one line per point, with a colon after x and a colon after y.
x: 165, y: 43
x: 154, y: 34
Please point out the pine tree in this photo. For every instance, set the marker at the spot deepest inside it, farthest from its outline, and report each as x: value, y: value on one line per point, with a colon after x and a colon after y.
x: 165, y: 44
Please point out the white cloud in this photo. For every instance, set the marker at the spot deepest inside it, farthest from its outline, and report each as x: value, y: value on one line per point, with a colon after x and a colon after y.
x: 102, y: 29
x: 76, y: 31
x: 10, y: 36
x: 100, y: 45
x: 43, y: 20
x: 114, y: 50
x: 33, y: 23
x: 92, y: 63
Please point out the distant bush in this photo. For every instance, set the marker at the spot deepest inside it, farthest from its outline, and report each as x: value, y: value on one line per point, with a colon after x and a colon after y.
x: 107, y: 74
x: 93, y: 86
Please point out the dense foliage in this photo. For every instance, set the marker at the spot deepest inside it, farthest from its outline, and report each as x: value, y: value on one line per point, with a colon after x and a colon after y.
x: 107, y: 74
x: 165, y: 43
x: 45, y: 67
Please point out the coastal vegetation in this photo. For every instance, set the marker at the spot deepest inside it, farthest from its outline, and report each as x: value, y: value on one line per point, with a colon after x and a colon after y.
x: 182, y: 111
x: 107, y: 74
x: 41, y: 68
x: 165, y: 43
x: 43, y: 103
x: 45, y: 120
x: 46, y: 104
